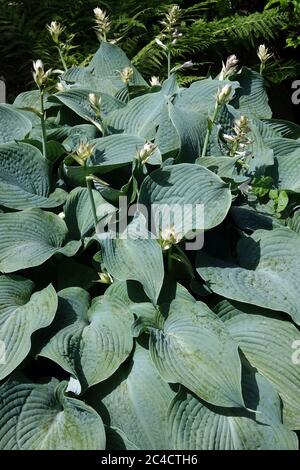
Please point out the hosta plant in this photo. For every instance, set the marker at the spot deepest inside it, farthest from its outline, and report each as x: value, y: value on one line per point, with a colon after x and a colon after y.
x: 120, y: 326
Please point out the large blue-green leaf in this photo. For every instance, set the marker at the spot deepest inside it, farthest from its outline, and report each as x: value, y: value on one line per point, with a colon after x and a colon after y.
x: 110, y: 153
x: 251, y: 99
x: 286, y: 172
x: 104, y: 71
x: 42, y: 417
x: 78, y: 212
x: 142, y: 115
x: 136, y: 400
x: 22, y: 312
x: 110, y: 60
x: 282, y: 147
x: 182, y: 188
x: 262, y: 155
x: 201, y: 95
x: 191, y: 129
x: 30, y: 237
x: 196, y: 425
x: 88, y: 339
x: 78, y: 101
x: 25, y: 178
x: 119, y: 149
x: 193, y: 348
x: 135, y: 255
x: 13, y: 125
x: 266, y: 272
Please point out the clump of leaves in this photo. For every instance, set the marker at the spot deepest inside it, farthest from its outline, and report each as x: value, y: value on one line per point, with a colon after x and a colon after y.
x: 148, y: 341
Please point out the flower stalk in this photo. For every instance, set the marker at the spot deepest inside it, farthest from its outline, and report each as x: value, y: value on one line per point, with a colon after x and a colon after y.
x: 41, y: 77
x: 264, y: 55
x: 103, y: 24
x: 89, y: 180
x: 56, y: 29
x: 43, y: 123
x: 170, y: 33
x: 223, y: 97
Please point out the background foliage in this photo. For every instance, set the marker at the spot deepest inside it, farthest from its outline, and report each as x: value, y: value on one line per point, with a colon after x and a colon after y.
x: 211, y: 29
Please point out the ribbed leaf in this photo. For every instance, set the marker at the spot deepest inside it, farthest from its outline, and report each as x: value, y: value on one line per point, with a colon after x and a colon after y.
x: 137, y: 257
x: 42, y: 417
x: 22, y: 312
x: 88, y: 340
x: 110, y: 153
x: 13, y: 125
x: 194, y: 349
x: 30, y: 237
x: 110, y: 60
x: 78, y: 101
x: 251, y: 99
x: 282, y: 147
x: 266, y: 272
x: 25, y: 178
x: 78, y: 212
x: 183, y: 187
x: 136, y: 399
x: 201, y: 95
x: 286, y: 172
x: 191, y: 128
x: 119, y: 149
x: 196, y: 425
x: 267, y: 340
x: 141, y: 116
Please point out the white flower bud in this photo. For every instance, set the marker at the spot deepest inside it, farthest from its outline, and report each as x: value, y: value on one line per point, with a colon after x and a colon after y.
x: 105, y: 278
x: 187, y: 65
x: 102, y: 22
x: 60, y: 86
x: 95, y: 101
x: 74, y: 386
x: 223, y: 95
x: 126, y: 75
x: 55, y: 29
x: 39, y: 75
x: 263, y: 54
x: 230, y: 67
x: 169, y: 237
x: 160, y: 44
x: 145, y: 153
x: 84, y: 150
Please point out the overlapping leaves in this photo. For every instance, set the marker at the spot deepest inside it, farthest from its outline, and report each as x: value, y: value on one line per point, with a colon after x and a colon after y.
x: 183, y: 350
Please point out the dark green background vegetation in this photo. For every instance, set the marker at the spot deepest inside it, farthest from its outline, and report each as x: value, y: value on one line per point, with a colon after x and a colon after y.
x: 212, y: 29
